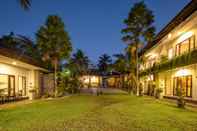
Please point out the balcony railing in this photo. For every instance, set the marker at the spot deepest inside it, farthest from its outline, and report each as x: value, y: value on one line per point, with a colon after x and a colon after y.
x: 179, y: 61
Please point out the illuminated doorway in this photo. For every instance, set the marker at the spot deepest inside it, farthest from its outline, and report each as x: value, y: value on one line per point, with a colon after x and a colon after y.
x: 184, y: 83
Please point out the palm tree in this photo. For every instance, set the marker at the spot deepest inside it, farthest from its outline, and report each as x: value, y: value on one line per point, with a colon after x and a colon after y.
x: 121, y: 63
x: 28, y: 46
x: 139, y: 29
x: 79, y: 63
x: 25, y: 4
x: 104, y: 63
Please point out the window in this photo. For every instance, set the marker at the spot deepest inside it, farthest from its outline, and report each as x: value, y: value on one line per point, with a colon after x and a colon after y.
x: 3, y: 84
x: 7, y: 85
x: 170, y: 53
x: 185, y: 46
x: 21, y: 86
x: 184, y: 83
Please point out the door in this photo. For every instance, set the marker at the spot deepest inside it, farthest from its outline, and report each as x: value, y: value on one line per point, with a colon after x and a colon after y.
x: 184, y: 83
x: 11, y: 85
x: 22, y: 86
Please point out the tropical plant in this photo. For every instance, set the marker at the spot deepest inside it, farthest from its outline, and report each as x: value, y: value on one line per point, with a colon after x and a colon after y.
x: 68, y: 83
x: 79, y: 63
x: 104, y: 63
x: 121, y: 63
x: 180, y: 100
x: 25, y: 4
x: 9, y: 41
x: 138, y: 30
x: 158, y: 92
x: 54, y: 43
x: 179, y: 61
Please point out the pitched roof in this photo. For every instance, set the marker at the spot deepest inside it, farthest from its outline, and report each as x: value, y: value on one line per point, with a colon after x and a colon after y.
x: 190, y: 8
x: 16, y: 54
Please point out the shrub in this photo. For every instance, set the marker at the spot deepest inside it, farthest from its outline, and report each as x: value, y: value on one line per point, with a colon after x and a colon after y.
x: 68, y: 85
x: 180, y: 101
x: 140, y: 89
x: 158, y: 92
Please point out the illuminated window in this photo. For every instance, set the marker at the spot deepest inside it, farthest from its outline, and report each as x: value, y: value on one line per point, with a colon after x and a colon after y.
x: 4, y: 84
x: 184, y: 84
x: 170, y: 53
x: 185, y: 46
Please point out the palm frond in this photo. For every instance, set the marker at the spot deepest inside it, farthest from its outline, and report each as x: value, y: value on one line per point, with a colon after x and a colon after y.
x: 25, y: 4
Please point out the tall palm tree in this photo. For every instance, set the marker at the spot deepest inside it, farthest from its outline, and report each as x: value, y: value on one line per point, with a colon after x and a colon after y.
x: 104, y: 63
x: 139, y: 29
x: 25, y: 4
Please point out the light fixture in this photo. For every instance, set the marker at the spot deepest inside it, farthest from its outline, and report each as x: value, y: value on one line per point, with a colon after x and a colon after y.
x: 183, y: 72
x: 14, y: 63
x: 169, y: 36
x: 170, y: 53
x: 184, y: 36
x: 179, y: 33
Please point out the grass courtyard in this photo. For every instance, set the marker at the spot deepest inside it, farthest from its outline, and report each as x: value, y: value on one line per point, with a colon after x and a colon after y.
x: 97, y: 113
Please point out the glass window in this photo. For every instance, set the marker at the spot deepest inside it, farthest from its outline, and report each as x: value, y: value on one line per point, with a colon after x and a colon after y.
x: 3, y: 85
x: 21, y: 86
x: 185, y: 46
x: 183, y: 83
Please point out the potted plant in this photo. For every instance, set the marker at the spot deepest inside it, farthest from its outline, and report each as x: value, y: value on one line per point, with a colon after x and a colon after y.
x: 180, y: 100
x: 158, y: 92
x: 32, y: 92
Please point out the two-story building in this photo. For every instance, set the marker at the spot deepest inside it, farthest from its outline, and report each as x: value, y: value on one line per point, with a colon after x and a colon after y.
x: 170, y: 61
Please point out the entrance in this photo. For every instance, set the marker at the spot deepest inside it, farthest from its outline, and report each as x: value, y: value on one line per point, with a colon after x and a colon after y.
x: 22, y: 86
x: 184, y: 83
x: 11, y: 85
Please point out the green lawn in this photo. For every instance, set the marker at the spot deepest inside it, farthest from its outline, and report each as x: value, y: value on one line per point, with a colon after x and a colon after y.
x: 97, y: 113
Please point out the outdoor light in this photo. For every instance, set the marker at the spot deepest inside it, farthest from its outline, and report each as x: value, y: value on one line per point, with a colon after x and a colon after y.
x: 13, y: 63
x: 185, y: 36
x: 179, y: 33
x: 169, y: 36
x: 183, y: 72
x: 170, y: 54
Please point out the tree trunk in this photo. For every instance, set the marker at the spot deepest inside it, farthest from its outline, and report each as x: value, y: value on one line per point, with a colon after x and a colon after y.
x: 137, y: 71
x: 55, y: 76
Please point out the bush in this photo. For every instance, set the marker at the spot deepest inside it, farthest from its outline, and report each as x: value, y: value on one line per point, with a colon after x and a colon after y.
x: 158, y: 92
x: 140, y: 89
x: 180, y: 101
x: 68, y: 85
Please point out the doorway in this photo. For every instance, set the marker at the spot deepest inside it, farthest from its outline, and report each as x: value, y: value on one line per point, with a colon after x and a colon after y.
x: 11, y: 85
x: 184, y: 83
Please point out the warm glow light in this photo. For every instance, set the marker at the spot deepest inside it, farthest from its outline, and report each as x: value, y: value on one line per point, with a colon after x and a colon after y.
x: 183, y: 72
x: 94, y: 79
x: 86, y: 79
x: 185, y: 36
x: 179, y: 33
x: 169, y: 36
x: 150, y: 78
x: 151, y: 55
x: 170, y: 54
x: 13, y: 63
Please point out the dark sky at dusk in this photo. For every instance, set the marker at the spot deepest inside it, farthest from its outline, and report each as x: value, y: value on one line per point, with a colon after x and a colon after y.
x: 94, y: 25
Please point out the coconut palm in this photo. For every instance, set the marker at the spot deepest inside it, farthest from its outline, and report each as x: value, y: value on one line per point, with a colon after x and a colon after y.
x: 121, y: 63
x: 104, y: 63
x: 79, y: 63
x: 25, y: 4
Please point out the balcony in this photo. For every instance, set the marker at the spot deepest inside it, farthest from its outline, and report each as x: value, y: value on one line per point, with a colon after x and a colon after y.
x: 179, y: 61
